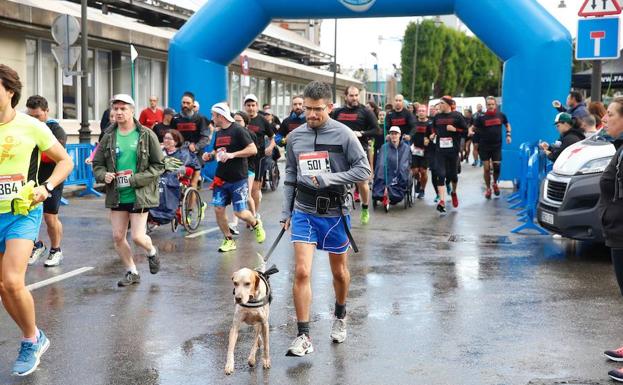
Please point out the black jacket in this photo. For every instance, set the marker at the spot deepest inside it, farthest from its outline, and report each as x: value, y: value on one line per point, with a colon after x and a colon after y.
x: 574, y: 135
x: 611, y: 199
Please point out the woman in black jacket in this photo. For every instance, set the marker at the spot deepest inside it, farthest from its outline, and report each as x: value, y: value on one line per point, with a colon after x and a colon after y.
x: 611, y: 207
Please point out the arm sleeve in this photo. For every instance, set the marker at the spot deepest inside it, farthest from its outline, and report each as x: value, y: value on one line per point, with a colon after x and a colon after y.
x: 204, y: 134
x: 156, y: 164
x: 372, y: 124
x: 359, y: 167
x: 60, y: 134
x: 288, y: 184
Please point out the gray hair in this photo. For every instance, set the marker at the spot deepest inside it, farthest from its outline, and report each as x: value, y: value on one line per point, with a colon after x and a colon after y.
x: 492, y: 98
x: 590, y: 120
x: 318, y: 90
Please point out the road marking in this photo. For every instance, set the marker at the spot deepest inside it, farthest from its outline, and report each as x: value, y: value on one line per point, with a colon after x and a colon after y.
x: 58, y: 278
x: 207, y: 231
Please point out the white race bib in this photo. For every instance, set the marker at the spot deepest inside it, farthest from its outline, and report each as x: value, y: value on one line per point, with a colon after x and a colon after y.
x: 10, y: 186
x: 417, y: 151
x: 445, y: 143
x: 123, y: 178
x: 314, y: 163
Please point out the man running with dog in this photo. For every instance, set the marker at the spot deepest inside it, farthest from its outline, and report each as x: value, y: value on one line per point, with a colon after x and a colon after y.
x: 323, y: 157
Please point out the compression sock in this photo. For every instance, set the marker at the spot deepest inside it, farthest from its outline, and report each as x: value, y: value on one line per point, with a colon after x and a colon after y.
x: 340, y: 310
x: 303, y: 328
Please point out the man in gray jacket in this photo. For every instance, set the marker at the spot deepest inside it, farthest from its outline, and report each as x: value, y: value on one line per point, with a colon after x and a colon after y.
x: 323, y: 157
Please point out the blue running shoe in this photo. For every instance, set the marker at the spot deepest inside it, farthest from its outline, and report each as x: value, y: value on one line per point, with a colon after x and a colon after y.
x: 30, y: 355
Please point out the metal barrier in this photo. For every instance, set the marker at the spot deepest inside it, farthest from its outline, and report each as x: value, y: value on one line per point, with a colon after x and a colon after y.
x: 82, y: 173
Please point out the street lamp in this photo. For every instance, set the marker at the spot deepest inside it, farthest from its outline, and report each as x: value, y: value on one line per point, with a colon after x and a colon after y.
x: 376, y: 69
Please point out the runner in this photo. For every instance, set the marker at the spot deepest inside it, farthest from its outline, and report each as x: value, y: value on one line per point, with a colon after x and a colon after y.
x: 130, y: 162
x: 323, y: 157
x: 262, y: 130
x: 401, y: 117
x: 293, y: 121
x: 448, y: 126
x: 420, y: 144
x: 363, y: 122
x: 20, y: 211
x: 37, y: 107
x: 489, y: 129
x: 233, y: 146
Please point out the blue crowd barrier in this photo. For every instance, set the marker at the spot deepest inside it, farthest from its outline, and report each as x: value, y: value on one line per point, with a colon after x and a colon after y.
x: 82, y: 173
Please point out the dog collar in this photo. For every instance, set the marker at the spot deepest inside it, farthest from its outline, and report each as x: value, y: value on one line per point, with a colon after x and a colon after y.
x: 259, y: 302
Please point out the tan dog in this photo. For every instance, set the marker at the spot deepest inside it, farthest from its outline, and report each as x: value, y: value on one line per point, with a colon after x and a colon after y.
x: 252, y: 297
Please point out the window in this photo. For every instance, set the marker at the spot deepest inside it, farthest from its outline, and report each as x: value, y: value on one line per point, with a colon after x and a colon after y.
x: 273, y: 93
x: 236, y: 103
x: 126, y: 76
x: 103, y: 80
x: 286, y: 101
x: 31, y: 68
x: 49, y: 87
x: 261, y: 92
x: 91, y: 84
x: 280, y: 101
x: 158, y: 79
x: 142, y: 85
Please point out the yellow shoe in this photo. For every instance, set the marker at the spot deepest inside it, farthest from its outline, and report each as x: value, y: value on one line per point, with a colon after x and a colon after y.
x: 260, y: 234
x: 227, y: 245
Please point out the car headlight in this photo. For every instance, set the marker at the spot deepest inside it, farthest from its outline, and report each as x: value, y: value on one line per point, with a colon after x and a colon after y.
x: 594, y: 166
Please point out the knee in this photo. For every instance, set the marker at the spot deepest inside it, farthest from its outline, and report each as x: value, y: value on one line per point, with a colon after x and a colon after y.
x: 341, y: 274
x: 138, y: 238
x: 118, y: 237
x: 219, y: 211
x: 302, y: 274
x: 10, y: 286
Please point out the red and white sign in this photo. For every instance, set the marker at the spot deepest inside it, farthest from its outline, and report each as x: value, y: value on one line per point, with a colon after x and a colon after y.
x: 244, y: 64
x: 599, y: 8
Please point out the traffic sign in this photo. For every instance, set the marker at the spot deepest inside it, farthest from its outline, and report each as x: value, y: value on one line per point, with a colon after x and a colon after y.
x: 244, y: 65
x: 599, y: 8
x: 598, y: 39
x: 65, y: 31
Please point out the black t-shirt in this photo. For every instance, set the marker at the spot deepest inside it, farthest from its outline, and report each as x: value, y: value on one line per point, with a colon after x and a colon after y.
x: 403, y: 119
x: 46, y: 167
x: 160, y: 129
x: 261, y: 128
x: 469, y: 122
x: 449, y: 141
x: 190, y: 127
x: 489, y: 128
x: 234, y: 138
x: 290, y: 123
x: 422, y: 130
x: 358, y: 119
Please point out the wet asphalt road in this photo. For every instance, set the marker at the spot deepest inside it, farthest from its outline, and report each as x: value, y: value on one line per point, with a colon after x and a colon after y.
x: 454, y: 300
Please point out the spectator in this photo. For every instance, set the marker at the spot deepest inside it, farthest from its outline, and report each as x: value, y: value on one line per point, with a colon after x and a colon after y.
x: 372, y: 106
x: 575, y: 103
x: 598, y: 110
x: 161, y: 128
x: 589, y: 125
x: 570, y: 133
x: 389, y: 107
x: 152, y: 114
x: 105, y: 122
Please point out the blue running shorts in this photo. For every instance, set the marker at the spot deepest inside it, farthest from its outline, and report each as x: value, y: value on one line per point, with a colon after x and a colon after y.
x: 235, y: 193
x: 20, y: 226
x: 327, y: 233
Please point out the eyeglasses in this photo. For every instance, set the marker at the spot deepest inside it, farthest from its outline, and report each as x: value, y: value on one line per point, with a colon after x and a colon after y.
x: 167, y: 138
x: 315, y: 110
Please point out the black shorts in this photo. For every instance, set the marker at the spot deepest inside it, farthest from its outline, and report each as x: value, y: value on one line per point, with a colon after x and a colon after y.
x: 129, y: 207
x: 476, y: 138
x: 419, y: 161
x: 493, y: 153
x: 446, y: 167
x: 53, y: 203
x: 257, y: 167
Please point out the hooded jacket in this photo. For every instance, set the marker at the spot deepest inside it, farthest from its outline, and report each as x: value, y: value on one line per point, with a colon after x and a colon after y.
x: 574, y: 135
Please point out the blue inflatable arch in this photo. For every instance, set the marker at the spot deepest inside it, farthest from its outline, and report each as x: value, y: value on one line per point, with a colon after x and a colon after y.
x: 535, y: 47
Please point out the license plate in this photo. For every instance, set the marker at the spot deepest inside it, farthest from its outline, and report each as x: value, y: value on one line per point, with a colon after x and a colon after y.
x: 547, y: 217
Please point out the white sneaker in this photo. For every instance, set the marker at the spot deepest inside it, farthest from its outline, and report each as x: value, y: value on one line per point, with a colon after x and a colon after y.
x: 338, y: 331
x: 54, y: 259
x: 233, y: 228
x: 37, y: 252
x: 301, y: 346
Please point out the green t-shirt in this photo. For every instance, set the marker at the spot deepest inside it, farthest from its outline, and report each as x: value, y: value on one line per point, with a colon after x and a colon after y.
x: 18, y: 138
x: 126, y: 160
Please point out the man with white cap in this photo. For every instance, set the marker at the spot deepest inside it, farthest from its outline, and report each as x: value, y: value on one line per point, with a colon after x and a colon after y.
x: 129, y: 161
x: 233, y: 145
x: 262, y: 130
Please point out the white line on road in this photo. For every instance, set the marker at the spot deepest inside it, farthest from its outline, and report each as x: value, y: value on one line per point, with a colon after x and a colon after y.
x: 207, y: 231
x: 58, y: 278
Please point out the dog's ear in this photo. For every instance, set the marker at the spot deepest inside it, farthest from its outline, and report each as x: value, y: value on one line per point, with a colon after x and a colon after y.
x: 256, y: 276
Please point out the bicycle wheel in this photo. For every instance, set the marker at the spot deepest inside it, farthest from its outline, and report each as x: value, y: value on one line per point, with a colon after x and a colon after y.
x: 191, y: 209
x: 275, y: 176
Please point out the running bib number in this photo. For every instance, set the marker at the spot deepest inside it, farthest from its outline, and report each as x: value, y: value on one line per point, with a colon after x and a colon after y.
x: 314, y: 163
x: 445, y: 143
x: 10, y: 186
x: 417, y: 151
x: 123, y: 178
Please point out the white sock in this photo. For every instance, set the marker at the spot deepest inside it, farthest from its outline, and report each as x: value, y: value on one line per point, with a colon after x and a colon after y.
x: 152, y: 252
x: 133, y: 269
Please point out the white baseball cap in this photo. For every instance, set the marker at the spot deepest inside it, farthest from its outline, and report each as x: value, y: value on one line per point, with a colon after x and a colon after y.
x: 250, y: 97
x: 395, y: 129
x: 125, y: 98
x: 223, y: 110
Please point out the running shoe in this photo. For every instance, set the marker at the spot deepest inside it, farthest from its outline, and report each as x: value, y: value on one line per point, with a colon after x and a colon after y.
x: 488, y: 193
x: 480, y: 163
x: 154, y: 262
x: 233, y: 228
x: 260, y: 234
x: 441, y: 207
x: 616, y: 374
x: 338, y: 331
x: 54, y: 259
x: 615, y: 355
x: 475, y: 163
x: 365, y: 216
x: 227, y: 245
x: 356, y: 197
x: 204, y: 206
x: 455, y: 200
x: 496, y: 190
x: 29, y: 355
x: 129, y: 279
x: 301, y: 346
x: 436, y: 199
x: 37, y: 251
x: 420, y: 195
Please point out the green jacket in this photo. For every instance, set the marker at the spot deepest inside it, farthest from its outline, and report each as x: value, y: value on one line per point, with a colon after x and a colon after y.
x: 149, y: 167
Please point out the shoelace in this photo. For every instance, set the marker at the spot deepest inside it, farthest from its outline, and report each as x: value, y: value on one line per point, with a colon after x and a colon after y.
x: 25, y: 351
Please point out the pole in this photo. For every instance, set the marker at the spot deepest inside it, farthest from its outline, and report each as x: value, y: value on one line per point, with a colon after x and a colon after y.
x: 84, y: 132
x: 596, y: 81
x: 335, y: 64
x: 378, y: 92
x: 417, y: 30
x: 132, y: 78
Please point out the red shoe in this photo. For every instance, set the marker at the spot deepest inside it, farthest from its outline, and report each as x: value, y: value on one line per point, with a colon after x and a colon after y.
x: 488, y: 193
x: 496, y: 190
x: 356, y: 197
x: 616, y: 374
x: 385, y: 200
x: 615, y: 355
x: 455, y: 200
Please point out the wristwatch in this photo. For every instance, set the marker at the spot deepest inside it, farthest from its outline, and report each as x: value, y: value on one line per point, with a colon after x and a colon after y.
x: 48, y: 186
